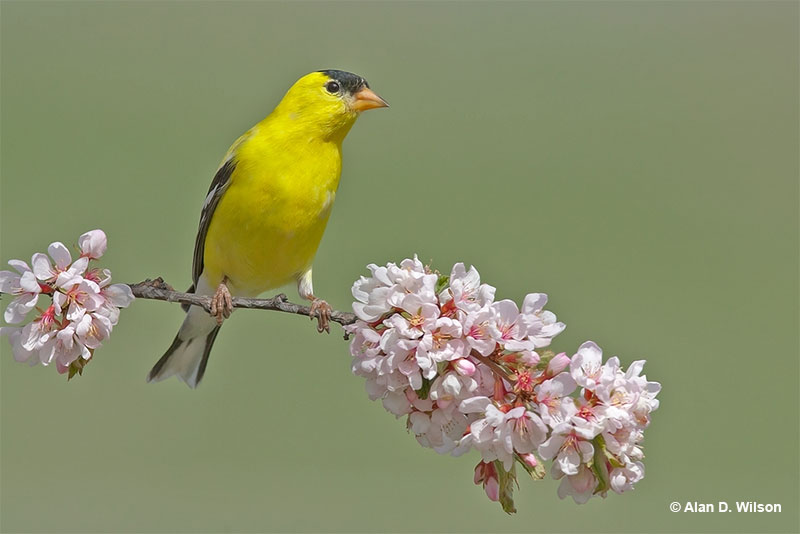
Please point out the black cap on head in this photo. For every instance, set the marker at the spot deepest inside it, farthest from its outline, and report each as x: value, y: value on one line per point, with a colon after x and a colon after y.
x: 352, y: 83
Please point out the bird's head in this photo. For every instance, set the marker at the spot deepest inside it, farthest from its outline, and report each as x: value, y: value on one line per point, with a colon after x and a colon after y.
x: 329, y: 102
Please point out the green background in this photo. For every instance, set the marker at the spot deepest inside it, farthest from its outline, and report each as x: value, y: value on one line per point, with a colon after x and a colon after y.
x: 636, y: 161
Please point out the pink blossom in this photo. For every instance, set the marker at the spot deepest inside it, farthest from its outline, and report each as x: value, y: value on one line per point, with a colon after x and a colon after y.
x: 93, y: 244
x: 14, y: 334
x: 452, y: 387
x: 39, y: 335
x: 477, y: 327
x: 63, y: 270
x: 570, y: 444
x: 466, y: 291
x: 443, y: 343
x: 585, y: 366
x: 465, y: 371
x: 550, y: 394
x: 83, y: 310
x: 580, y: 486
x: 25, y: 289
x: 78, y: 296
x: 506, y: 329
x: 540, y: 325
x: 622, y: 479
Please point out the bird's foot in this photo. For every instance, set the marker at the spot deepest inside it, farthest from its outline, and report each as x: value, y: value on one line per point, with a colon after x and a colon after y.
x: 221, y: 302
x: 322, y: 311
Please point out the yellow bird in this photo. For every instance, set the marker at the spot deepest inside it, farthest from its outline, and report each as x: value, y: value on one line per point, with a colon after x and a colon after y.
x: 266, y: 210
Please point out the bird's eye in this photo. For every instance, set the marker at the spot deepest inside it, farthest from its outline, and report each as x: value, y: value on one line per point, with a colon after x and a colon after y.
x: 332, y: 87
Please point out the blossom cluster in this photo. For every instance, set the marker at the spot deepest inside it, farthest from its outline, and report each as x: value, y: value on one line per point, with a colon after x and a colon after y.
x: 80, y: 308
x: 469, y: 372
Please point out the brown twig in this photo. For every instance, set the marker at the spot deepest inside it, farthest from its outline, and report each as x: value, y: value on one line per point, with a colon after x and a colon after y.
x: 159, y: 290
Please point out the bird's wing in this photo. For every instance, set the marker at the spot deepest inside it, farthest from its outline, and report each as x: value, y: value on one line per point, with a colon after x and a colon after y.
x: 219, y: 184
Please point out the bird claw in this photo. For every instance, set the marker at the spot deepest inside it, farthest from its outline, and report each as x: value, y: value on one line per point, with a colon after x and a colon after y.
x: 221, y: 303
x: 322, y: 311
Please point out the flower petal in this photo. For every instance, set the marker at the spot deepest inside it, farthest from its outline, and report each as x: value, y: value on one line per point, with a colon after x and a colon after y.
x: 42, y: 267
x: 9, y: 282
x: 120, y: 295
x: 19, y: 265
x: 28, y: 283
x: 60, y: 254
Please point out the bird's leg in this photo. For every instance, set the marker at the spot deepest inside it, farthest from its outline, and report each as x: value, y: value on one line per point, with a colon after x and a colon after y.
x: 319, y: 308
x: 222, y: 302
x: 322, y: 310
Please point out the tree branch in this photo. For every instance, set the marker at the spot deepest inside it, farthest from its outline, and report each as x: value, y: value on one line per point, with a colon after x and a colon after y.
x: 159, y: 290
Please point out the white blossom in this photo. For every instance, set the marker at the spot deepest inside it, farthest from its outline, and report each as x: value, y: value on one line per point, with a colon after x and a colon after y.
x: 540, y: 325
x: 466, y: 373
x: 93, y: 244
x: 580, y: 486
x: 586, y: 365
x: 507, y: 329
x: 466, y: 291
x: 83, y: 309
x: 622, y: 479
x: 570, y: 445
x: 25, y: 289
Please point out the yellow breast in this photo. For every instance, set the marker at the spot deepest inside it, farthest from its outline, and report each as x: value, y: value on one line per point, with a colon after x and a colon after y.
x: 268, y: 224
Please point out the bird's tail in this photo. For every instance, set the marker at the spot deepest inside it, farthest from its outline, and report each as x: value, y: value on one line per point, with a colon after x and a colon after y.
x: 187, y: 357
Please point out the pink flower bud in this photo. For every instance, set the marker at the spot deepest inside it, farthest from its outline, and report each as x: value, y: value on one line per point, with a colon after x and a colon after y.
x: 529, y: 459
x: 464, y: 367
x: 559, y: 362
x: 479, y: 473
x: 492, y: 489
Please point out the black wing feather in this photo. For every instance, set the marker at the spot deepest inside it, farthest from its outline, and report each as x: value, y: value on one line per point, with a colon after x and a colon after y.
x: 218, y: 186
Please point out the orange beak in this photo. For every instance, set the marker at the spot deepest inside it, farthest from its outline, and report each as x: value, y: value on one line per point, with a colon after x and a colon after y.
x: 367, y: 99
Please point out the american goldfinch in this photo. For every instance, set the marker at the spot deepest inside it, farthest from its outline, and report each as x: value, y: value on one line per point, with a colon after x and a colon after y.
x: 266, y: 210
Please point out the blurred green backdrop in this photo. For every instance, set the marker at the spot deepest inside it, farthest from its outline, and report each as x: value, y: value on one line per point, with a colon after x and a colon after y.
x: 636, y: 161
